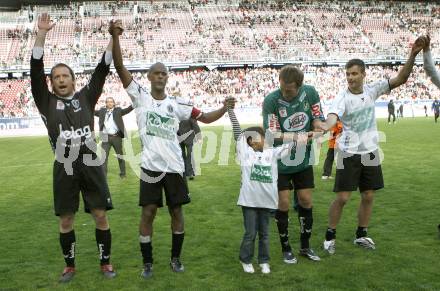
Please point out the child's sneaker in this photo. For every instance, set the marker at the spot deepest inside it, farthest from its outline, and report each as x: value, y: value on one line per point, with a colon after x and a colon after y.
x: 247, y: 268
x: 265, y: 268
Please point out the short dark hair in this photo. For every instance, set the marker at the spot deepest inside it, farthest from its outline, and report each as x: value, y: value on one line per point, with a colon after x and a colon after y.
x: 355, y: 62
x: 252, y: 131
x: 290, y: 73
x: 62, y: 65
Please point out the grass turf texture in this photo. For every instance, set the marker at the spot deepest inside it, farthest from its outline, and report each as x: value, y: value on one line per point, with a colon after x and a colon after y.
x: 403, y: 225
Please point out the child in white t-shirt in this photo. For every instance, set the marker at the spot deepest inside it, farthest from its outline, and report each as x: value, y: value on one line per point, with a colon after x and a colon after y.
x: 258, y: 192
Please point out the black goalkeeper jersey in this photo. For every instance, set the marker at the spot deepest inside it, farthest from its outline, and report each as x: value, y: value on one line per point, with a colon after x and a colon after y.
x: 69, y: 123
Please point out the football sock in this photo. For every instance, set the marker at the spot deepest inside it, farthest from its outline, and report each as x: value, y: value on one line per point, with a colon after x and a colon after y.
x: 104, y: 243
x: 330, y: 234
x: 282, y: 220
x: 146, y: 249
x: 305, y: 217
x: 177, y: 242
x: 361, y: 232
x: 67, y: 242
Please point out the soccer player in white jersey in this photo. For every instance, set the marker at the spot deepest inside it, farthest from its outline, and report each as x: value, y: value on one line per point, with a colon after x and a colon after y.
x: 358, y: 162
x: 162, y: 165
x: 431, y: 71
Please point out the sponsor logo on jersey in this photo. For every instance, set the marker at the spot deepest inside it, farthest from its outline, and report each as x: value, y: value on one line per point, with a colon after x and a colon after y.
x: 261, y: 173
x: 170, y: 109
x: 296, y: 122
x: 60, y: 105
x: 361, y: 120
x: 283, y: 111
x: 160, y: 126
x: 274, y: 125
x: 75, y: 133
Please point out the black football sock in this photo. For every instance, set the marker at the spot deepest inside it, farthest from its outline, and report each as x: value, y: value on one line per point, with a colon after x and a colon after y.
x: 104, y: 243
x: 67, y: 242
x: 177, y: 243
x: 330, y: 234
x: 361, y: 232
x: 146, y: 249
x: 305, y: 217
x: 282, y: 220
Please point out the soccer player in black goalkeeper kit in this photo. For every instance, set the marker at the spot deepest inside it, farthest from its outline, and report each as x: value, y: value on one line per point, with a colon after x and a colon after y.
x: 68, y: 116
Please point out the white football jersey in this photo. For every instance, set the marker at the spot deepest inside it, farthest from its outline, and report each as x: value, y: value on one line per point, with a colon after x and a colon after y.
x: 158, y: 122
x: 259, y: 174
x: 356, y: 111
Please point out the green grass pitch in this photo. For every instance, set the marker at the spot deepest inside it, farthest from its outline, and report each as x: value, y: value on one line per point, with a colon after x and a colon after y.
x: 403, y: 225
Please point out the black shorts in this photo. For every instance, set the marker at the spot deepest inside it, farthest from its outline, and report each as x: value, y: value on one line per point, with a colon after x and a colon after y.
x: 300, y: 180
x: 358, y: 171
x: 176, y: 190
x: 90, y: 180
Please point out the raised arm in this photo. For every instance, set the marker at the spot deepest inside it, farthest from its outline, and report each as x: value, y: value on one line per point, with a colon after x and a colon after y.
x: 116, y: 30
x: 404, y: 73
x: 216, y: 114
x: 428, y: 63
x: 44, y: 25
x: 39, y: 87
x: 236, y: 129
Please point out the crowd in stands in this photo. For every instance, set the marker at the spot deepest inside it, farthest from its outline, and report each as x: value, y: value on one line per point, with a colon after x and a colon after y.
x: 222, y: 31
x: 206, y: 89
x: 206, y: 31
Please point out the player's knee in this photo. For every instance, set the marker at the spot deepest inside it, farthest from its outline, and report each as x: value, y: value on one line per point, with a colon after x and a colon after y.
x: 283, y: 203
x: 100, y: 217
x: 148, y: 214
x: 342, y: 199
x: 305, y: 201
x: 367, y: 197
x: 176, y: 212
x: 66, y: 222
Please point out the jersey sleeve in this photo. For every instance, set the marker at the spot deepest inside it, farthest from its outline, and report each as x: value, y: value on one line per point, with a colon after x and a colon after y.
x: 338, y: 105
x: 135, y: 90
x: 380, y: 88
x: 242, y: 148
x: 283, y: 150
x: 185, y: 109
x: 428, y: 65
x: 270, y: 119
x: 93, y: 89
x: 315, y: 102
x: 40, y: 90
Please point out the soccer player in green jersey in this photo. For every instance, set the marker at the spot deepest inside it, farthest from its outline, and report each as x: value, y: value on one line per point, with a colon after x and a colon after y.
x: 294, y: 108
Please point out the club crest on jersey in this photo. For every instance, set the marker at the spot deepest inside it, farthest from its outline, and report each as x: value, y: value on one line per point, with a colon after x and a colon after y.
x: 60, y: 105
x: 170, y: 109
x: 283, y: 111
x: 296, y: 121
x: 306, y: 106
x: 75, y: 104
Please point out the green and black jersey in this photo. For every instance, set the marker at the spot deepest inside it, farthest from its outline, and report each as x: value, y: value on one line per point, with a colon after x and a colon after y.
x: 294, y: 116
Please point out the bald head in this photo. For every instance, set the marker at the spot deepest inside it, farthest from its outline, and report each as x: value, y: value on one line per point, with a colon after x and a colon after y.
x: 158, y: 67
x: 158, y: 76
